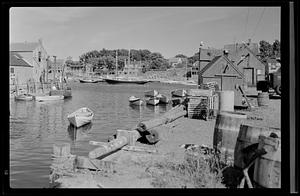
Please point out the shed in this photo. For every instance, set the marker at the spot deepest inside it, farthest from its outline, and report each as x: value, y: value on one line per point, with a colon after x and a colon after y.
x: 228, y: 77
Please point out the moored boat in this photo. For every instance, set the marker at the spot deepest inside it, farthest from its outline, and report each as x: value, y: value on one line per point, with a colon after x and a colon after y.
x: 152, y: 101
x: 24, y: 97
x: 67, y: 92
x: 49, y: 98
x: 135, y: 100
x: 124, y: 80
x: 81, y: 117
x: 152, y: 93
x: 179, y: 93
x: 163, y: 99
x: 88, y: 80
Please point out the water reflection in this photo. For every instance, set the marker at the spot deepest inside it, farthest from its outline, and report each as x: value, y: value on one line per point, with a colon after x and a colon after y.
x: 76, y: 134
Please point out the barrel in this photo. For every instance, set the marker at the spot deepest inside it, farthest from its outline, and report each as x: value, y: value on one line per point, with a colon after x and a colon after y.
x: 263, y: 99
x: 267, y: 168
x: 247, y: 136
x: 226, y: 132
x: 226, y: 100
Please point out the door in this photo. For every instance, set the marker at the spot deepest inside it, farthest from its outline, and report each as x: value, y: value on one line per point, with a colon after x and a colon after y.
x: 249, y: 76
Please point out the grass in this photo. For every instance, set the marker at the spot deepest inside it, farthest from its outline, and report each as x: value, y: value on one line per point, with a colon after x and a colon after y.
x: 197, y: 171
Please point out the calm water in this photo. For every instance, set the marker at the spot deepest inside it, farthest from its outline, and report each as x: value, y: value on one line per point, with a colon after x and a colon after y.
x: 35, y: 126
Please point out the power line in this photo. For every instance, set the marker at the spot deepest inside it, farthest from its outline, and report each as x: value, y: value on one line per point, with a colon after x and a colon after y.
x: 246, y: 22
x: 258, y: 22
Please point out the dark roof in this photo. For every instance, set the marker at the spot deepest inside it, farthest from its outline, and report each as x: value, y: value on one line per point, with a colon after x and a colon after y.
x: 216, y: 59
x: 233, y: 48
x: 23, y: 46
x: 17, y: 60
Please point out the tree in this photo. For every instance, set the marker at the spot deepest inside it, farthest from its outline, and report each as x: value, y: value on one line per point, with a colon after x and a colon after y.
x: 180, y: 56
x: 265, y: 49
x: 276, y: 48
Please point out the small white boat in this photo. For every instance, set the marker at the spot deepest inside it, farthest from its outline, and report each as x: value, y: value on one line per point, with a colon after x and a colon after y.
x: 81, y: 117
x: 179, y: 93
x: 24, y: 97
x: 88, y: 80
x: 163, y: 99
x: 152, y: 101
x: 152, y: 93
x: 49, y: 98
x: 135, y: 100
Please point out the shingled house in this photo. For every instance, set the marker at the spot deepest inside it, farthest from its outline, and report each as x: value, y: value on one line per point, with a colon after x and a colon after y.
x: 228, y: 77
x: 20, y: 70
x: 245, y: 58
x: 34, y: 54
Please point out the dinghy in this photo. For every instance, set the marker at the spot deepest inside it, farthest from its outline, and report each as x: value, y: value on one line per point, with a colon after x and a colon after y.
x: 135, y: 100
x: 152, y: 101
x: 152, y: 93
x: 81, y: 117
x: 179, y: 93
x: 49, y: 98
x: 24, y: 97
x: 163, y: 99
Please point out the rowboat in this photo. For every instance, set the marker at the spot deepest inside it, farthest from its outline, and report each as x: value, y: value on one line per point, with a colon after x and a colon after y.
x: 179, y: 93
x: 163, y: 99
x: 88, y: 80
x: 135, y: 100
x: 81, y: 117
x: 152, y: 93
x: 67, y: 92
x: 152, y: 101
x: 49, y: 98
x: 24, y: 97
x: 124, y: 80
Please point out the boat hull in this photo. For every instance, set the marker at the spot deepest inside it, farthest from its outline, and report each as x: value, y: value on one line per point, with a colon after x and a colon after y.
x: 117, y: 81
x: 24, y: 98
x: 179, y: 93
x: 80, y: 118
x: 88, y: 81
x: 152, y: 93
x: 49, y: 98
x: 152, y: 101
x: 66, y: 93
x: 137, y: 102
x: 163, y: 99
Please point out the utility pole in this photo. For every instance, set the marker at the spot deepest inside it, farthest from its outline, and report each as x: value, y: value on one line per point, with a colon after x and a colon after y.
x: 199, y: 66
x: 116, y: 63
x: 54, y: 69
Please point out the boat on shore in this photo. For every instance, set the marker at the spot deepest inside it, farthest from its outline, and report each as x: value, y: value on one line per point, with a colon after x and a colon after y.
x: 163, y: 99
x: 152, y: 101
x: 179, y: 93
x: 135, y: 100
x: 49, y: 98
x: 81, y: 117
x: 125, y: 80
x: 24, y: 97
x: 152, y: 93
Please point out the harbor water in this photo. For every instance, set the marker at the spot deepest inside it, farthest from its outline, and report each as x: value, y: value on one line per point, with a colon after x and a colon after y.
x: 36, y: 126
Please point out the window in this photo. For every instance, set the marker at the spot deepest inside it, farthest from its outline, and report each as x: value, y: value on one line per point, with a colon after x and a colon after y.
x: 12, y: 70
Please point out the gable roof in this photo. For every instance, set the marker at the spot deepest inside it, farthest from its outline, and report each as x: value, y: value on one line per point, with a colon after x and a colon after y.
x: 23, y: 46
x: 16, y: 59
x: 218, y: 58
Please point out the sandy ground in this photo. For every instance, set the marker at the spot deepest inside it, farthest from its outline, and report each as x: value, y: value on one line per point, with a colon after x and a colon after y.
x: 135, y: 169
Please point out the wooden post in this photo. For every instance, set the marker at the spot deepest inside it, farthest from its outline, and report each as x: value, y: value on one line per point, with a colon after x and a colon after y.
x: 105, y: 150
x: 61, y: 150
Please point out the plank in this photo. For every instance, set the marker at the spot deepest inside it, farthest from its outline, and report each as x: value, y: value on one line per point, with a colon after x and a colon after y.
x: 139, y: 149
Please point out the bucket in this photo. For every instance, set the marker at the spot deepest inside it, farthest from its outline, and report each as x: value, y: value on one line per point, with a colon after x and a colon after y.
x: 267, y: 168
x: 226, y: 132
x: 226, y: 100
x: 247, y: 136
x: 263, y: 99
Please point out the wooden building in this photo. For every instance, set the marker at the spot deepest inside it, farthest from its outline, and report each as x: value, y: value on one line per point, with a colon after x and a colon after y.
x: 245, y: 58
x: 34, y: 54
x: 20, y: 70
x: 228, y: 77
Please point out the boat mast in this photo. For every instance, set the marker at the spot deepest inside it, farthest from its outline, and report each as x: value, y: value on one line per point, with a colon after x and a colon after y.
x: 129, y: 58
x: 116, y: 62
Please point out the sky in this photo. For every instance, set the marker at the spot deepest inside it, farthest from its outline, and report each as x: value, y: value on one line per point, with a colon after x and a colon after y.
x: 73, y: 31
